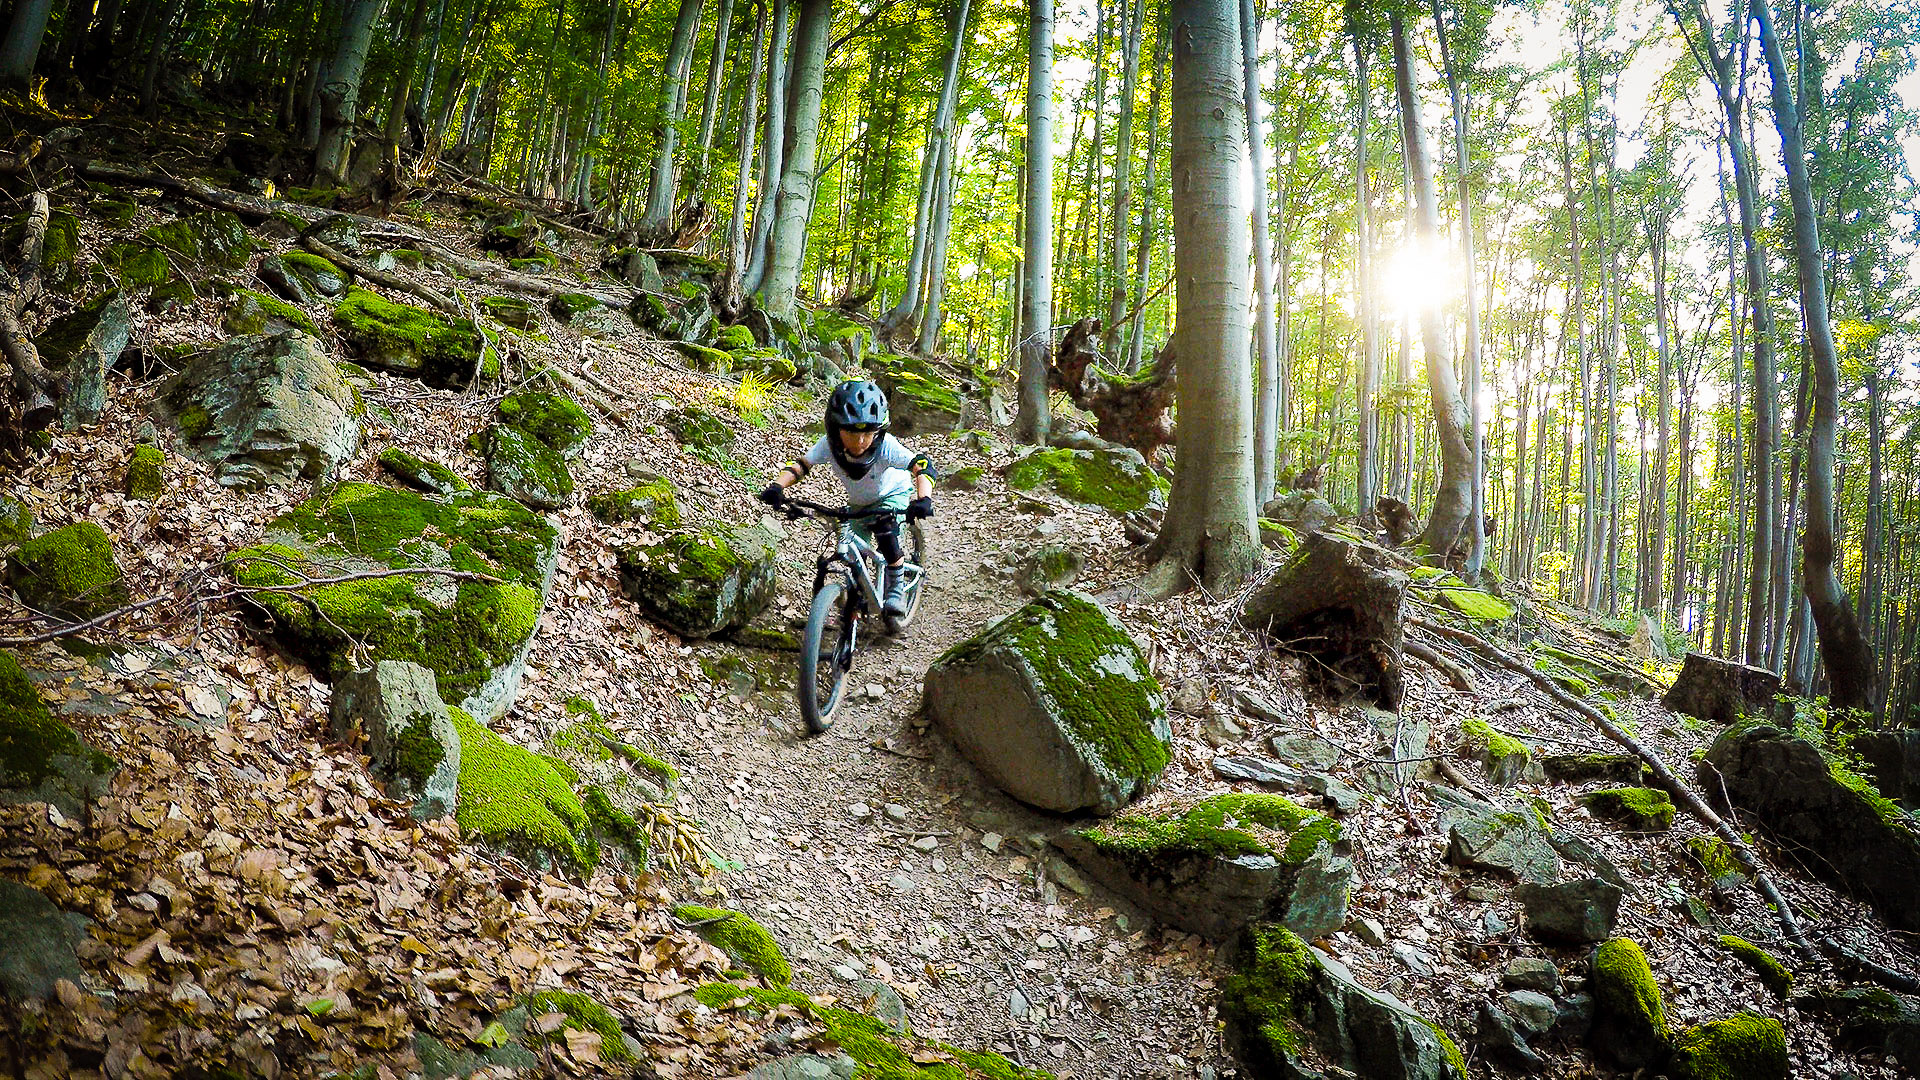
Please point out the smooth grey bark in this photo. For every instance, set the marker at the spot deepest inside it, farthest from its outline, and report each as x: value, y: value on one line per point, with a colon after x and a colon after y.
x: 397, y: 106
x: 1135, y: 15
x: 1453, y: 498
x: 937, y: 251
x: 583, y: 175
x: 1142, y: 258
x: 1367, y: 477
x: 902, y: 313
x: 662, y: 181
x: 339, y: 87
x: 21, y: 47
x: 737, y: 224
x: 1657, y: 540
x: 788, y: 242
x: 1851, y: 671
x: 1476, y: 440
x: 1266, y: 428
x: 1208, y: 534
x: 1036, y: 291
x: 710, y: 105
x: 773, y: 145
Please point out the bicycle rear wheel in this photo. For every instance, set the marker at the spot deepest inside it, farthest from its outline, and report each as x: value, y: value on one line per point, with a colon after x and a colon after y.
x: 826, y: 652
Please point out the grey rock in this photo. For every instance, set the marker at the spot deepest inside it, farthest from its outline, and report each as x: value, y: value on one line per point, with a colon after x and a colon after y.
x: 1305, y: 749
x: 1302, y: 511
x: 1401, y: 739
x: 337, y: 231
x: 1575, y: 1022
x: 282, y: 281
x: 396, y: 705
x: 1648, y: 643
x: 1494, y: 924
x: 80, y: 348
x: 1720, y: 691
x: 1892, y: 760
x: 1533, y: 1011
x: 605, y: 322
x: 806, y: 1067
x: 1370, y: 931
x: 318, y: 276
x: 51, y: 764
x: 1376, y: 1034
x: 882, y: 1002
x: 1256, y: 771
x: 698, y: 587
x: 522, y: 468
x: 1015, y: 701
x: 1869, y: 1018
x: 1575, y: 912
x: 1501, y: 1042
x: 1051, y: 566
x: 41, y: 940
x: 1574, y: 848
x: 1415, y: 960
x: 1017, y: 1004
x: 1484, y: 836
x: 264, y: 409
x: 1531, y: 973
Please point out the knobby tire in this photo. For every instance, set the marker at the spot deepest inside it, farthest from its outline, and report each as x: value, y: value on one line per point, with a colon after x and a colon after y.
x: 825, y: 632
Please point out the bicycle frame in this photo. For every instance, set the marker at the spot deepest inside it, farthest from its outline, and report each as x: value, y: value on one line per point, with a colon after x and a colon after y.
x: 852, y: 553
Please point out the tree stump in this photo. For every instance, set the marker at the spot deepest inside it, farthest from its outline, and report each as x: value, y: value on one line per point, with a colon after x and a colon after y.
x: 1339, y: 602
x: 1720, y: 690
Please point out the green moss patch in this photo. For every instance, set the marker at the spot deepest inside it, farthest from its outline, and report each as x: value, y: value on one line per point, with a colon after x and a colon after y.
x: 421, y: 474
x: 1223, y: 826
x: 967, y: 479
x: 703, y: 581
x: 146, y: 471
x: 746, y: 941
x: 554, y: 419
x: 1743, y: 1047
x: 1477, y: 605
x: 410, y: 340
x: 735, y: 338
x: 69, y: 572
x: 652, y: 504
x: 1624, y: 991
x: 615, y: 826
x: 1108, y: 479
x: 583, y: 1014
x: 526, y: 468
x: 566, y: 306
x: 1774, y: 975
x: 881, y: 1052
x: 520, y: 802
x: 698, y: 429
x: 1268, y: 996
x: 1717, y: 860
x: 140, y: 265
x: 1646, y: 809
x: 16, y: 522
x: 701, y: 358
x: 36, y: 749
x: 1496, y: 745
x: 252, y: 312
x: 462, y: 631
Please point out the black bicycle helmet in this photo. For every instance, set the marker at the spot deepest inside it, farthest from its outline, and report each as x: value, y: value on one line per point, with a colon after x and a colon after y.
x: 856, y: 405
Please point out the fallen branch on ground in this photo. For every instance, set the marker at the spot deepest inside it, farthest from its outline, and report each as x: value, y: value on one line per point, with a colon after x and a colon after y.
x: 362, y: 268
x: 1694, y: 805
x: 1432, y: 658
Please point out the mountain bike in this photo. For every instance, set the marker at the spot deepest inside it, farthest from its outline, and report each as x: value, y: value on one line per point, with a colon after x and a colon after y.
x: 847, y: 583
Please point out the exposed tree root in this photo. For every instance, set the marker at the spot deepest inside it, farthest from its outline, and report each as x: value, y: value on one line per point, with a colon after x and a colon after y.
x: 362, y: 268
x: 1431, y: 657
x: 1685, y: 795
x: 34, y: 388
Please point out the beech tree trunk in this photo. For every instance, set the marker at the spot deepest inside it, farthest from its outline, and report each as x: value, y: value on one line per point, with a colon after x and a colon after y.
x: 749, y: 109
x: 772, y: 151
x: 789, y: 241
x: 901, y: 314
x: 1266, y: 428
x: 657, y: 218
x: 339, y: 87
x: 1367, y: 476
x: 1476, y: 507
x: 1209, y: 534
x: 1135, y: 15
x: 1142, y: 259
x: 1036, y: 290
x: 710, y: 105
x: 21, y: 47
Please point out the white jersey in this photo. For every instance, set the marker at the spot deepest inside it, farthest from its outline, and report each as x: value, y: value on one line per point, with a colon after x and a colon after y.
x: 887, y: 477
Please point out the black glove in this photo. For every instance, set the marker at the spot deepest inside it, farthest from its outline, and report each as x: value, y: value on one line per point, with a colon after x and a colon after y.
x: 921, y: 507
x: 775, y: 495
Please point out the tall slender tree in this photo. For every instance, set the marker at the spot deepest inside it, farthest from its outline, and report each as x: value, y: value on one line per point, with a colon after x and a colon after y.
x: 1266, y: 428
x: 662, y: 182
x: 811, y: 32
x: 1036, y: 317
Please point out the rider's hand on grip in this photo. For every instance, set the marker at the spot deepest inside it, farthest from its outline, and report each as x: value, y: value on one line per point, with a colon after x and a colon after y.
x: 921, y: 507
x: 775, y: 495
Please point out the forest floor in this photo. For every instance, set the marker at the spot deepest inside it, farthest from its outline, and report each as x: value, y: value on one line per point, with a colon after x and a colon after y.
x: 251, y: 890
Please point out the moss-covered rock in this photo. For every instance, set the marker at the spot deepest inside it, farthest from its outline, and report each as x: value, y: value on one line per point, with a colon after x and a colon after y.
x: 701, y: 358
x: 1717, y: 861
x: 1578, y: 768
x: 473, y: 635
x: 553, y: 419
x: 410, y: 741
x: 319, y: 275
x: 920, y: 405
x: 412, y: 341
x: 769, y: 364
x: 1507, y: 759
x: 566, y: 306
x: 1646, y: 809
x: 1223, y: 862
x: 421, y: 474
x: 140, y: 265
x: 967, y: 479
x: 68, y: 572
x: 520, y: 802
x: 1267, y: 1002
x: 651, y: 504
x: 16, y: 522
x: 1477, y: 605
x: 523, y: 468
x: 212, y: 238
x: 702, y: 582
x: 879, y: 1052
x: 1743, y: 1047
x: 741, y: 938
x: 79, y: 349
x: 250, y: 312
x: 42, y: 759
x: 735, y: 338
x: 60, y: 248
x: 509, y: 311
x: 146, y: 473
x: 1115, y: 480
x: 264, y: 409
x: 700, y: 431
x: 1056, y: 705
x: 1774, y: 975
x: 1629, y: 1019
x: 582, y: 1014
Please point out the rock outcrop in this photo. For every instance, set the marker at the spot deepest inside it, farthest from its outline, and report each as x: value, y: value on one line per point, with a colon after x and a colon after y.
x: 68, y: 572
x: 1343, y: 602
x: 411, y: 744
x: 702, y: 582
x: 42, y: 759
x: 1720, y: 691
x: 264, y: 409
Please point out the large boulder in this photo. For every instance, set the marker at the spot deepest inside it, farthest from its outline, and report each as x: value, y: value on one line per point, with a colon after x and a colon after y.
x: 410, y: 740
x: 265, y: 409
x: 1117, y: 479
x: 1222, y: 863
x: 1892, y: 760
x: 1578, y: 912
x: 1859, y: 841
x: 1342, y: 601
x: 315, y: 274
x: 1056, y: 705
x: 473, y: 635
x: 215, y: 239
x: 702, y: 582
x: 1629, y: 1018
x: 42, y: 945
x: 80, y: 348
x: 1721, y: 691
x: 1284, y: 993
x: 1869, y: 1018
x: 68, y: 572
x: 1486, y: 836
x: 922, y: 406
x: 527, y: 450
x: 1748, y: 1046
x: 42, y: 759
x: 1301, y: 511
x: 413, y: 341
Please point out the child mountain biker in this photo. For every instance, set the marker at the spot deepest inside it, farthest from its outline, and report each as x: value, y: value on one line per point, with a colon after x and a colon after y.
x: 877, y: 470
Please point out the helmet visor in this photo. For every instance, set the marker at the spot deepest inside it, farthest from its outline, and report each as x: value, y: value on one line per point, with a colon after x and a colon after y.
x: 859, y: 427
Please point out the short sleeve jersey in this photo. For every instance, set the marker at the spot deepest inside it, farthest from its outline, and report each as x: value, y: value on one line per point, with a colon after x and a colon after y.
x: 886, y: 478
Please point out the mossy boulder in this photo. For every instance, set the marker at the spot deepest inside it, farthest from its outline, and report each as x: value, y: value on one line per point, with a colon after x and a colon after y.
x: 1051, y: 566
x: 700, y: 431
x: 1743, y: 1047
x: 42, y: 759
x: 1868, y: 847
x: 523, y: 468
x: 520, y: 802
x: 413, y: 341
x: 473, y: 635
x: 16, y: 522
x: 1056, y: 705
x: 510, y: 311
x: 1223, y: 862
x: 80, y: 348
x: 273, y: 272
x: 1477, y: 605
x: 1720, y: 691
x: 1629, y: 1018
x: 139, y: 264
x: 1773, y: 974
x: 701, y: 358
x: 421, y: 474
x: 213, y: 238
x: 1116, y: 480
x: 568, y: 305
x: 1578, y: 768
x: 264, y: 409
x: 250, y: 312
x: 651, y: 504
x: 741, y: 938
x: 318, y: 275
x: 1483, y: 835
x: 411, y: 743
x: 1868, y: 1018
x: 967, y: 479
x: 1645, y: 809
x: 702, y: 582
x: 1506, y: 759
x: 554, y: 419
x: 1284, y: 995
x: 1716, y: 859
x: 146, y: 473
x: 922, y: 406
x: 69, y: 572
x: 734, y: 339
x: 770, y: 364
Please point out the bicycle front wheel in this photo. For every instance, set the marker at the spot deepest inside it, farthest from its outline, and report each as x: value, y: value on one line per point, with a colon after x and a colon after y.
x: 920, y: 585
x: 826, y: 652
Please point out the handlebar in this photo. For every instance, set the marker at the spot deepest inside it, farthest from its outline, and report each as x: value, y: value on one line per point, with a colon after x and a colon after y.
x: 798, y: 508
